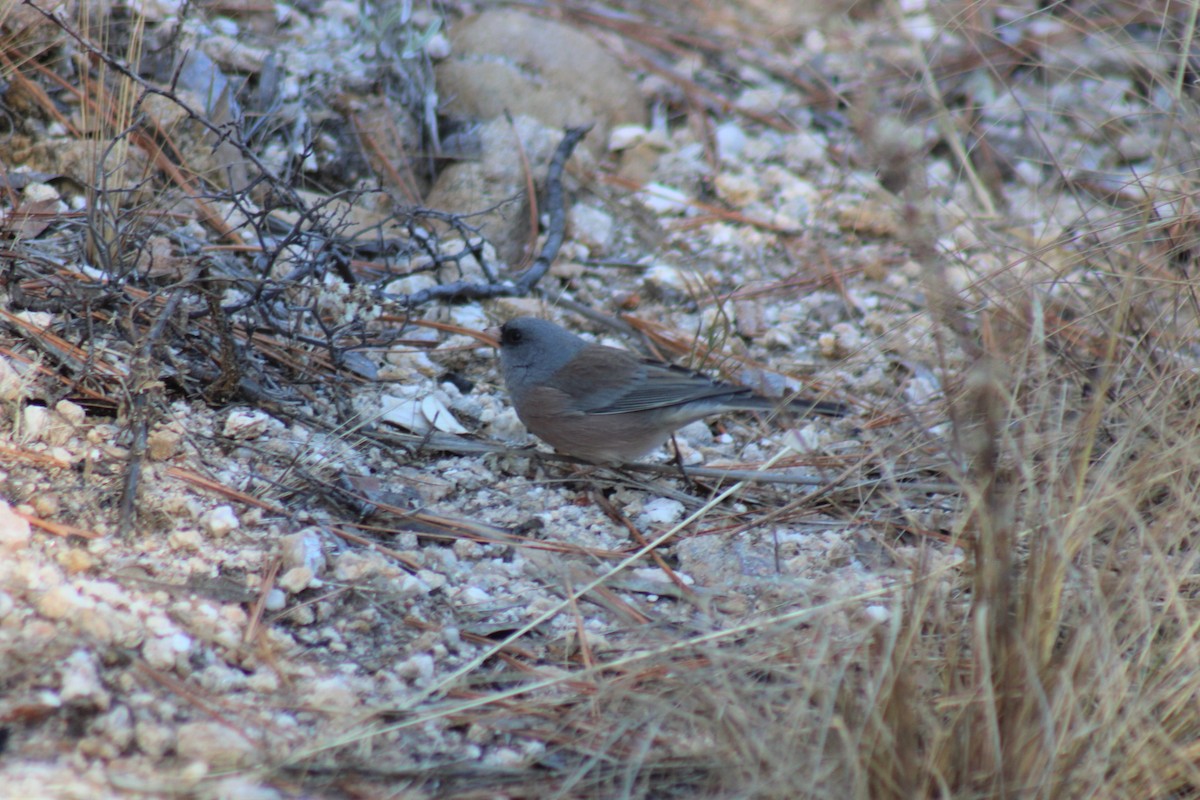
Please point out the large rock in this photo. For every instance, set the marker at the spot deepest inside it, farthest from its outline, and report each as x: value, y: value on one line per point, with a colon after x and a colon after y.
x: 493, y: 188
x: 508, y: 61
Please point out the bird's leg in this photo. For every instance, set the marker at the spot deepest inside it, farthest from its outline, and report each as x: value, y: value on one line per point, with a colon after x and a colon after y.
x: 677, y: 460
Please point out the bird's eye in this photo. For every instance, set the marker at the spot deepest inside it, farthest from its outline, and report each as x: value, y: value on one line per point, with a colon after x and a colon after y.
x: 511, y: 335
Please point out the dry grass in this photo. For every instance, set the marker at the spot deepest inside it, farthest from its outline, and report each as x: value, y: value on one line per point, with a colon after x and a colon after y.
x: 1059, y: 657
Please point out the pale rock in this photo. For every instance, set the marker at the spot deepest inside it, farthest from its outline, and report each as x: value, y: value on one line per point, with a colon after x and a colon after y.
x: 877, y: 613
x: 185, y: 539
x: 805, y: 148
x: 435, y: 410
x: 302, y: 549
x: 100, y: 623
x: 180, y: 642
x: 65, y: 456
x: 103, y: 591
x: 420, y: 416
x: 36, y: 419
x: 764, y: 100
x: 437, y: 47
x: 115, y: 629
x: 922, y: 388
x: 302, y: 615
x: 849, y: 339
x: 731, y: 140
x: 237, y: 787
x: 1030, y: 173
x: 159, y: 624
x: 592, y: 226
x: 503, y: 758
x: 803, y: 440
x: 764, y: 381
x: 234, y: 615
x: 159, y: 653
x: 276, y: 600
x: 921, y: 27
x: 507, y: 427
x: 506, y: 61
x: 103, y: 435
x: 73, y: 413
x: 219, y: 746
x: 509, y: 307
x: 235, y: 53
x: 81, y: 681
x: 571, y: 270
x: 218, y: 679
x: 219, y: 521
x: 193, y: 773
x: 296, y: 580
x: 264, y: 681
x: 689, y: 456
x: 472, y: 596
x: 410, y: 585
x: 331, y: 695
x: 153, y: 739
x: 467, y: 549
x: 418, y: 668
x: 778, y: 337
x: 470, y: 317
x: 655, y: 575
x: 245, y: 424
x: 75, y: 560
x: 737, y: 190
x: 696, y: 434
x: 671, y: 281
x: 660, y: 511
x: 486, y: 187
x: 47, y: 505
x: 12, y: 387
x: 411, y: 284
x: 663, y: 200
x: 163, y: 444
x: 433, y: 580
x: 351, y: 567
x: 37, y: 192
x: 15, y: 532
x: 1137, y: 145
x: 827, y: 344
x: 60, y: 601
x: 116, y: 727
x: 623, y: 137
x: 59, y: 431
x: 39, y: 319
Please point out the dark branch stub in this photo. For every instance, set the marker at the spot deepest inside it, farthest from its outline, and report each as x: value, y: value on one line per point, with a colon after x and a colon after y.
x: 459, y: 291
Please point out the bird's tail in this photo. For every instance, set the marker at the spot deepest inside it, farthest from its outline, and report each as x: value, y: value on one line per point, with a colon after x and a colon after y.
x: 826, y: 408
x: 800, y: 405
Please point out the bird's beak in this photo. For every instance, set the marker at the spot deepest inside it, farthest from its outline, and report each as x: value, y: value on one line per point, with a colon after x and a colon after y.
x: 493, y: 333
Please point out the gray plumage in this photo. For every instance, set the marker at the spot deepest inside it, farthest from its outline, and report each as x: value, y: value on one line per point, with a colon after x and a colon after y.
x: 607, y: 405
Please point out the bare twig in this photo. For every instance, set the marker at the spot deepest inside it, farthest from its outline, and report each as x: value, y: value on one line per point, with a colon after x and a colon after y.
x: 142, y: 384
x: 459, y: 291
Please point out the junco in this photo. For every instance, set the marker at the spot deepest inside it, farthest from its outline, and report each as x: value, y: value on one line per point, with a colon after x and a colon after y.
x: 606, y: 405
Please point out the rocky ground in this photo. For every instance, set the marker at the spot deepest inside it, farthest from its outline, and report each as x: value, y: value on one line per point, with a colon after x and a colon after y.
x: 274, y: 530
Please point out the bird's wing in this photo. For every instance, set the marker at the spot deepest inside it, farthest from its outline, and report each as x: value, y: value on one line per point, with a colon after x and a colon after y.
x: 605, y: 380
x: 644, y: 384
x: 596, y: 377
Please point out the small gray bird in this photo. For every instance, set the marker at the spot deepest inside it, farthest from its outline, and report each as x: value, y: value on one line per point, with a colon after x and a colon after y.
x: 608, y: 406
